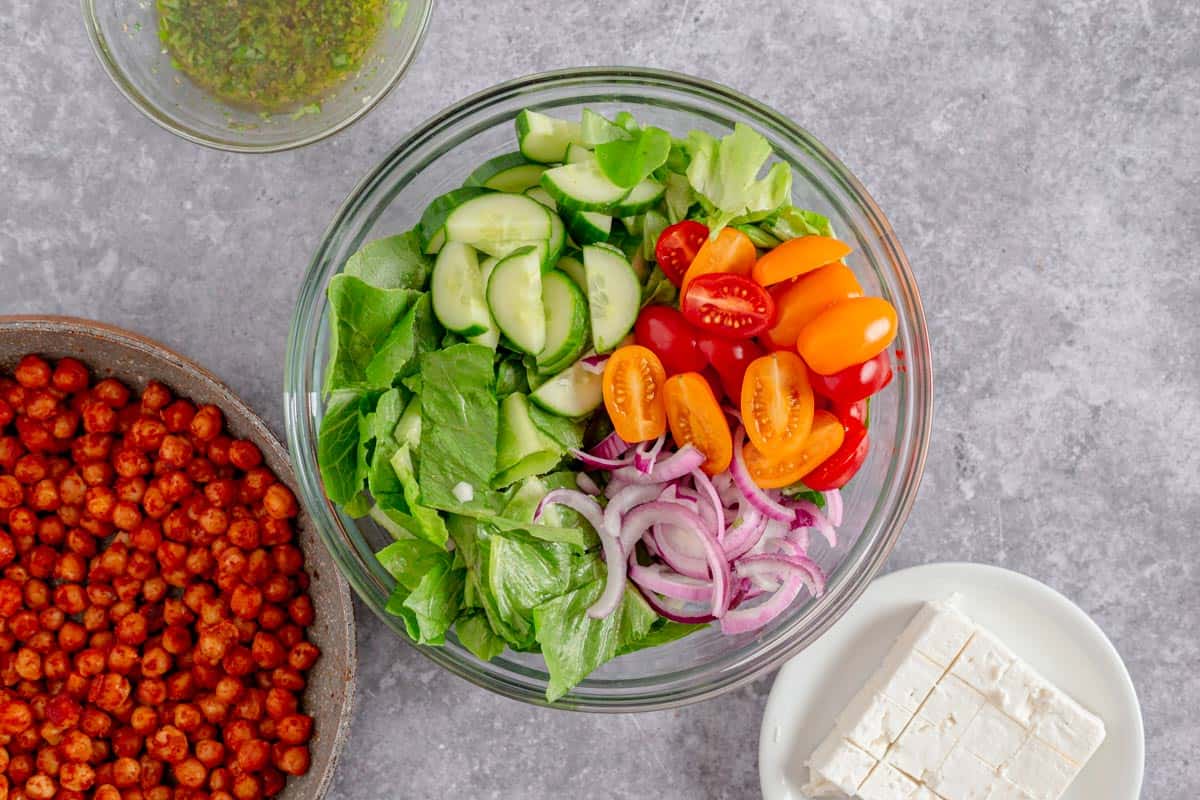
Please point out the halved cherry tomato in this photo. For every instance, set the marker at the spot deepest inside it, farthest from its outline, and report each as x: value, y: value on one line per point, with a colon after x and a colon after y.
x: 855, y: 382
x: 632, y: 387
x: 857, y: 410
x: 730, y: 359
x: 673, y: 340
x: 728, y: 305
x: 714, y: 382
x: 837, y: 470
x: 696, y: 418
x: 847, y: 333
x: 798, y: 256
x: 823, y: 441
x: 677, y: 247
x: 731, y: 251
x: 798, y: 302
x: 777, y: 404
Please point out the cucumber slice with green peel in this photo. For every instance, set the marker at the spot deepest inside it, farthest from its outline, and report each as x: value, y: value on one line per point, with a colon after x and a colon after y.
x: 572, y: 267
x: 575, y: 392
x: 556, y: 244
x: 641, y: 198
x: 595, y: 129
x: 521, y: 447
x: 577, y: 154
x: 457, y: 289
x: 614, y: 295
x: 543, y: 138
x: 540, y: 194
x: 511, y: 172
x: 514, y: 295
x: 589, y: 227
x: 566, y: 322
x: 431, y: 228
x: 582, y: 187
x: 490, y: 337
x: 492, y: 220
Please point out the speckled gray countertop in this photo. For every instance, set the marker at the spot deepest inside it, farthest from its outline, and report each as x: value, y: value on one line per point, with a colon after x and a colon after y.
x: 1040, y: 166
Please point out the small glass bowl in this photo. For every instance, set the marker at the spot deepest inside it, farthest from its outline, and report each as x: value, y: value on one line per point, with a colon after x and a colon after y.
x: 124, y: 34
x: 436, y: 157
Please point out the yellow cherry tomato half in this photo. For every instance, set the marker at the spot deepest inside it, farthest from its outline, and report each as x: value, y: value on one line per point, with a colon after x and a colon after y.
x: 633, y: 393
x: 823, y: 441
x: 696, y: 418
x: 847, y: 333
x: 777, y: 404
x: 798, y: 256
x: 798, y: 302
x: 729, y: 251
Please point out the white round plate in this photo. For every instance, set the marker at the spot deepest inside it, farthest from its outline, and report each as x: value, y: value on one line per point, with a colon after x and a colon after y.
x: 1040, y: 625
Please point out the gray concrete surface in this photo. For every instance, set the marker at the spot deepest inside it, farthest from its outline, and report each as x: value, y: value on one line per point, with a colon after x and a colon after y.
x: 1041, y: 164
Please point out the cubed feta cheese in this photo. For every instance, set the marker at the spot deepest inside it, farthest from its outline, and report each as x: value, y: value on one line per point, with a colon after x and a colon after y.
x: 872, y: 722
x: 923, y: 793
x: 887, y: 783
x: 1002, y: 789
x: 906, y: 678
x: 993, y: 736
x: 938, y: 632
x: 951, y: 701
x: 1066, y: 726
x: 841, y: 764
x: 923, y: 747
x: 962, y: 776
x: 1040, y: 771
x: 983, y: 661
x: 1017, y: 691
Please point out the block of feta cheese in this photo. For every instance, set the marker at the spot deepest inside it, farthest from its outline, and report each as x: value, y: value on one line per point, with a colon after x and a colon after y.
x: 1039, y: 770
x: 837, y: 766
x: 887, y: 783
x: 993, y: 737
x: 962, y: 776
x: 982, y: 663
x: 872, y: 722
x: 1065, y: 725
x: 938, y: 632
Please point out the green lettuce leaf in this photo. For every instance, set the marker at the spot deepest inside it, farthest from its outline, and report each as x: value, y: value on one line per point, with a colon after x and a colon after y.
x: 361, y: 317
x: 627, y: 162
x: 566, y: 433
x: 724, y: 173
x: 429, y: 523
x: 398, y: 355
x: 342, y: 470
x: 477, y: 635
x: 679, y: 198
x: 430, y: 609
x: 381, y: 478
x: 653, y: 224
x: 664, y: 631
x: 395, y: 262
x: 407, y: 560
x: 792, y: 223
x: 658, y: 289
x: 596, y: 129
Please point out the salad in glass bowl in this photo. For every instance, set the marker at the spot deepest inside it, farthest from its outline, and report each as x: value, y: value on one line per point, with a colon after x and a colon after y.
x: 603, y: 395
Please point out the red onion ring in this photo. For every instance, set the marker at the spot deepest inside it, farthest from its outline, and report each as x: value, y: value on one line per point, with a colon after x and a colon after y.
x: 675, y: 466
x: 575, y: 500
x: 586, y: 484
x: 749, y: 489
x: 660, y: 580
x: 638, y: 521
x: 675, y: 558
x: 611, y: 446
x: 834, y: 507
x: 614, y: 581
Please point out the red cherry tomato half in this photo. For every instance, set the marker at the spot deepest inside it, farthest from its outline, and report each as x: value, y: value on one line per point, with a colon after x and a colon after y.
x: 730, y: 359
x: 728, y: 305
x: 677, y: 246
x: 856, y: 410
x: 837, y: 470
x: 854, y: 383
x: 665, y: 331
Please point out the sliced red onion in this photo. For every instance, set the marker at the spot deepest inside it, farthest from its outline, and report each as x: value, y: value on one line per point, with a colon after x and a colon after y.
x: 595, y: 462
x: 674, y: 610
x: 611, y: 446
x: 795, y: 574
x: 635, y: 494
x: 575, y: 500
x: 615, y: 485
x: 742, y: 537
x: 834, y: 507
x: 647, y: 453
x: 680, y: 552
x: 586, y: 484
x: 815, y: 519
x: 614, y: 582
x: 813, y: 576
x: 638, y: 521
x: 768, y: 506
x: 660, y: 580
x: 594, y: 363
x: 675, y: 466
x: 717, y: 520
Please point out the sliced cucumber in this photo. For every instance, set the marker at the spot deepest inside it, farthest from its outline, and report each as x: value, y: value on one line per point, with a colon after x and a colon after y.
x: 521, y: 447
x: 511, y: 172
x: 589, y: 227
x: 493, y: 221
x: 575, y: 392
x: 490, y: 337
x: 540, y: 194
x: 566, y: 322
x: 514, y: 294
x: 596, y: 129
x: 577, y: 154
x: 582, y: 187
x: 614, y: 295
x: 641, y: 198
x: 573, y: 268
x: 431, y: 229
x: 545, y: 139
x: 558, y: 241
x: 457, y: 289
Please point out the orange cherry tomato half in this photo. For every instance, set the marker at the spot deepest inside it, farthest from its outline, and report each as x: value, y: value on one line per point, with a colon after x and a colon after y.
x: 697, y: 419
x: 677, y: 247
x: 798, y: 302
x: 847, y: 333
x: 731, y: 251
x: 823, y: 441
x: 798, y: 256
x: 777, y: 404
x: 633, y: 393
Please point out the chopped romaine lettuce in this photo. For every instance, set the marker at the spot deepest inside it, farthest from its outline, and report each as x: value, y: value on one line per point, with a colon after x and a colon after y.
x: 395, y: 262
x: 361, y: 318
x: 724, y: 174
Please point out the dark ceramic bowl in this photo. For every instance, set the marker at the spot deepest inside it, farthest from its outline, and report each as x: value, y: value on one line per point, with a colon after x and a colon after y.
x: 135, y: 360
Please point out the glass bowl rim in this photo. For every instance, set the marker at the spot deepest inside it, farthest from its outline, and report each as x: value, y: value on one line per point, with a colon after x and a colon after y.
x: 155, y: 114
x: 916, y: 425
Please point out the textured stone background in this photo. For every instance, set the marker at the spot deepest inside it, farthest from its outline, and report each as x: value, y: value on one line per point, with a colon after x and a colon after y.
x: 1041, y: 165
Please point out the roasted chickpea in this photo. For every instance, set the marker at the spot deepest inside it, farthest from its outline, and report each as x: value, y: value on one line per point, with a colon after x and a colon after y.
x: 143, y: 719
x: 126, y: 515
x: 69, y: 376
x: 280, y: 703
x: 98, y: 417
x: 122, y: 659
x: 151, y: 692
x: 175, y: 451
x: 247, y: 787
x: 76, y: 776
x: 187, y: 717
x: 190, y: 773
x: 11, y: 492
x: 126, y: 772
x: 56, y: 666
x: 33, y: 372
x: 207, y: 423
x: 126, y: 742
x: 111, y: 392
x: 41, y: 787
x: 169, y: 744
x: 155, y: 397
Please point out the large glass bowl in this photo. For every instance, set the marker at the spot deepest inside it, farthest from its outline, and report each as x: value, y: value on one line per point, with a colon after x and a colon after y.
x: 436, y: 157
x: 124, y: 35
